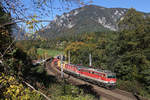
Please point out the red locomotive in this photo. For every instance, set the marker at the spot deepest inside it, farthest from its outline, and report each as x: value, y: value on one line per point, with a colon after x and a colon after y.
x: 103, y: 78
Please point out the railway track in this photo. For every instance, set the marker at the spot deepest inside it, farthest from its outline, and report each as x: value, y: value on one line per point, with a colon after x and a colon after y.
x: 99, y: 92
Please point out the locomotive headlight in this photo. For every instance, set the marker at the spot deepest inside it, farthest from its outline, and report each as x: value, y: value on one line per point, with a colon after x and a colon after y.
x: 111, y: 81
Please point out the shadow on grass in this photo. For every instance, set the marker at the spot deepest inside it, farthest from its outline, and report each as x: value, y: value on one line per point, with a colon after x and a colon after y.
x: 42, y: 77
x: 89, y: 90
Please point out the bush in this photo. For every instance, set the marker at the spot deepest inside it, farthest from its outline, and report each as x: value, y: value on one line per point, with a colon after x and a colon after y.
x: 68, y: 92
x: 11, y: 89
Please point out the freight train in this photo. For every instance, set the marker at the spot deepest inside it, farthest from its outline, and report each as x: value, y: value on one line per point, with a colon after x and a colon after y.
x: 104, y: 78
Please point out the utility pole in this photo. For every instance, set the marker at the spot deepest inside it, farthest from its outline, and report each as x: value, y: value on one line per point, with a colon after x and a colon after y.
x: 61, y: 57
x: 90, y: 59
x: 69, y: 56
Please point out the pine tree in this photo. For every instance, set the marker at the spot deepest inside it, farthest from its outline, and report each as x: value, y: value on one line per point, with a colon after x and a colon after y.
x: 131, y: 20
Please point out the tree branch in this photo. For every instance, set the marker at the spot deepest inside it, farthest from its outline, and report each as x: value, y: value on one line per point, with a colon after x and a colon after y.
x: 2, y: 55
x: 10, y: 23
x: 37, y: 90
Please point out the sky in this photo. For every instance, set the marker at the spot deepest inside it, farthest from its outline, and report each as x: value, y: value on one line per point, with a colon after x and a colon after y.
x: 140, y: 5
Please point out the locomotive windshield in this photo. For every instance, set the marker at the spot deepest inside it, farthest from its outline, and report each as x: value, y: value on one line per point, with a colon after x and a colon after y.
x: 111, y: 76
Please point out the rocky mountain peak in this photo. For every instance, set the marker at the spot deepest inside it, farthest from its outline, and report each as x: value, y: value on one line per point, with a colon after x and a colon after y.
x: 86, y: 19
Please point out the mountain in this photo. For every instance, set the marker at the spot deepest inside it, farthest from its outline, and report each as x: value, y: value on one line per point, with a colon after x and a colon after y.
x: 17, y: 32
x: 89, y: 18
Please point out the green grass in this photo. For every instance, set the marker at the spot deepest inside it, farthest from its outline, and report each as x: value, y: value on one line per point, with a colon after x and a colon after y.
x: 50, y: 52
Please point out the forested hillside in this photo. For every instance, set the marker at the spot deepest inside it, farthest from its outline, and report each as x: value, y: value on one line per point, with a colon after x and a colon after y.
x: 118, y: 40
x: 127, y: 52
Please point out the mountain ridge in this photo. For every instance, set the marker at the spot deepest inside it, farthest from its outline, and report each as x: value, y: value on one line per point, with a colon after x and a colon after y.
x: 89, y: 18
